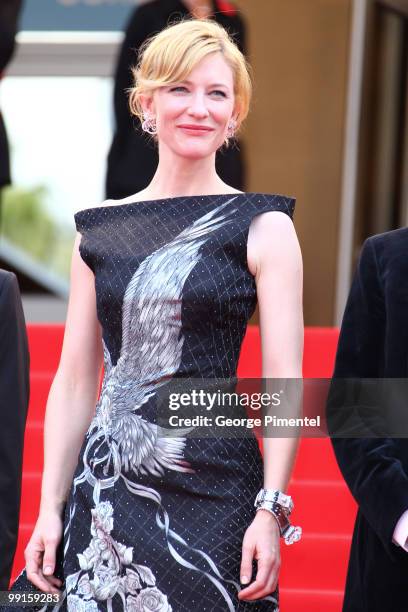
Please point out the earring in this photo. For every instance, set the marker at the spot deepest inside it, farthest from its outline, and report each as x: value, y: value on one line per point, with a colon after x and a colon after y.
x: 149, y: 124
x: 232, y: 124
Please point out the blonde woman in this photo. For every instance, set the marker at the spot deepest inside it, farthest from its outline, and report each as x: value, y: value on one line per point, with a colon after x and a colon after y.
x: 163, y: 284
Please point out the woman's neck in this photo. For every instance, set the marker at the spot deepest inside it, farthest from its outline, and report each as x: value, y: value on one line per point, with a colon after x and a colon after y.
x: 178, y: 178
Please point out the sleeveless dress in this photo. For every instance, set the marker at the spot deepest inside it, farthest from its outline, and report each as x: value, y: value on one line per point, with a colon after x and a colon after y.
x: 155, y: 523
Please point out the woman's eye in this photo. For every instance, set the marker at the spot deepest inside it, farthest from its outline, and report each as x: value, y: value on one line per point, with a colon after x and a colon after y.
x: 217, y: 91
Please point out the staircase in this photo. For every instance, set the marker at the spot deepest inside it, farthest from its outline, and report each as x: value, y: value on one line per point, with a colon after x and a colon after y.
x: 313, y: 570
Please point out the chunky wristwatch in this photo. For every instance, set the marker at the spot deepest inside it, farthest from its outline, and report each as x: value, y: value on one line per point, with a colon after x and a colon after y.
x: 280, y: 505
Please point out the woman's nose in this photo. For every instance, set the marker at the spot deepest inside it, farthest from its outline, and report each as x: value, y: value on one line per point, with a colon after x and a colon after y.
x: 198, y: 105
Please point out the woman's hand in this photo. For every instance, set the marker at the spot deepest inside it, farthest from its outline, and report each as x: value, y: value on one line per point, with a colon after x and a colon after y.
x: 262, y: 542
x: 40, y: 553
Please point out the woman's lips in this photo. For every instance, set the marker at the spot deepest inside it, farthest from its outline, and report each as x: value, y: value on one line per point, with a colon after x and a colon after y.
x: 196, y: 129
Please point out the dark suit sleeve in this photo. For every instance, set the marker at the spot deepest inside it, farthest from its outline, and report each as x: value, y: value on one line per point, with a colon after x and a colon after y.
x: 9, y: 13
x: 371, y: 466
x: 14, y: 394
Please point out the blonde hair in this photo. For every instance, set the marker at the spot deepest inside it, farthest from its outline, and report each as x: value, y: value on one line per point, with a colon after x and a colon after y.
x: 173, y: 53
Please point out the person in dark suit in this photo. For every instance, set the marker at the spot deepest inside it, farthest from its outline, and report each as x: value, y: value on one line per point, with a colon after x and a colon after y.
x: 14, y: 395
x: 9, y: 13
x: 133, y: 158
x: 373, y: 344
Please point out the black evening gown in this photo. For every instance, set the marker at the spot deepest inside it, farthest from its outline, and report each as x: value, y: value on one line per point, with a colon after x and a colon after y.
x: 156, y: 523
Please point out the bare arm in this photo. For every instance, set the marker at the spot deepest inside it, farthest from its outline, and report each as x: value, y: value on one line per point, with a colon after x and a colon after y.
x: 279, y: 281
x: 69, y: 411
x: 74, y: 390
x: 73, y: 393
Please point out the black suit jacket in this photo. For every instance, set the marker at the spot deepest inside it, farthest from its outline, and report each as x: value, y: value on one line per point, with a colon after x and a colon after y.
x: 133, y: 158
x: 373, y: 343
x: 9, y: 12
x: 14, y: 395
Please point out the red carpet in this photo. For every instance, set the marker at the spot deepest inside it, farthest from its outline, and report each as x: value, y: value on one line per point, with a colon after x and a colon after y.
x: 313, y: 571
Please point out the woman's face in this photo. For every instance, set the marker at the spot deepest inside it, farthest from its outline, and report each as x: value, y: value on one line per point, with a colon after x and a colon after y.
x: 205, y: 99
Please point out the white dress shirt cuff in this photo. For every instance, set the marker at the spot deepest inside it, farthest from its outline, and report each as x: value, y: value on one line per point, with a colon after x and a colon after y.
x: 400, y: 535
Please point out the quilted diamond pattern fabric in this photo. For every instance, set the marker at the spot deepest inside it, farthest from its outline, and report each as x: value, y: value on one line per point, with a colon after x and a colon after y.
x: 156, y: 522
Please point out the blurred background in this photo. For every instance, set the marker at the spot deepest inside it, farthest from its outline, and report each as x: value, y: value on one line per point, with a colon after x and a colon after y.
x: 328, y: 125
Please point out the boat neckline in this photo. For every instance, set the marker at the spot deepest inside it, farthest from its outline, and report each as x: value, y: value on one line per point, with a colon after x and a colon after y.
x: 186, y: 197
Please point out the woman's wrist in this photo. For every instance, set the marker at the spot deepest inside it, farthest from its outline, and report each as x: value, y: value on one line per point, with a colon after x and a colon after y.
x: 48, y: 505
x: 280, y: 506
x: 267, y: 517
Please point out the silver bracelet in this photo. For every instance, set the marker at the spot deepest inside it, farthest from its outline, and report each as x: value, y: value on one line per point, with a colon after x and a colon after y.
x: 290, y: 533
x: 275, y: 496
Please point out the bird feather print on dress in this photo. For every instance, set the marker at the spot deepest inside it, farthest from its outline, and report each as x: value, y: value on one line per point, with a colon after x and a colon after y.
x: 154, y: 521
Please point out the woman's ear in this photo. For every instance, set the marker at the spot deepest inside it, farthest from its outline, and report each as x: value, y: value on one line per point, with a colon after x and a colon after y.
x: 147, y: 104
x: 235, y: 114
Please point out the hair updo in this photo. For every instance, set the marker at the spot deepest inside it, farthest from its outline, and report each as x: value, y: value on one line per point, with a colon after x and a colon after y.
x: 173, y: 53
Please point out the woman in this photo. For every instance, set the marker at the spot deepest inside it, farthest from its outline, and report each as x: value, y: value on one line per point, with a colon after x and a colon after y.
x: 163, y: 284
x: 132, y: 158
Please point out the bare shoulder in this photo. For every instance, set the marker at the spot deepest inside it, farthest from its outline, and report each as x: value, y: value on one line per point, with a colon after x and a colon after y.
x: 135, y: 197
x: 271, y: 220
x: 111, y: 202
x: 98, y: 205
x: 271, y: 237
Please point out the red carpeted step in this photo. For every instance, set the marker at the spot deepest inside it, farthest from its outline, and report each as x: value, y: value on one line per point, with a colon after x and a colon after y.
x: 33, y: 457
x: 39, y: 389
x: 306, y: 600
x: 318, y: 561
x: 24, y: 535
x: 45, y: 342
x: 314, y: 504
x: 319, y: 352
x: 316, y: 460
x: 320, y: 344
x: 30, y: 497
